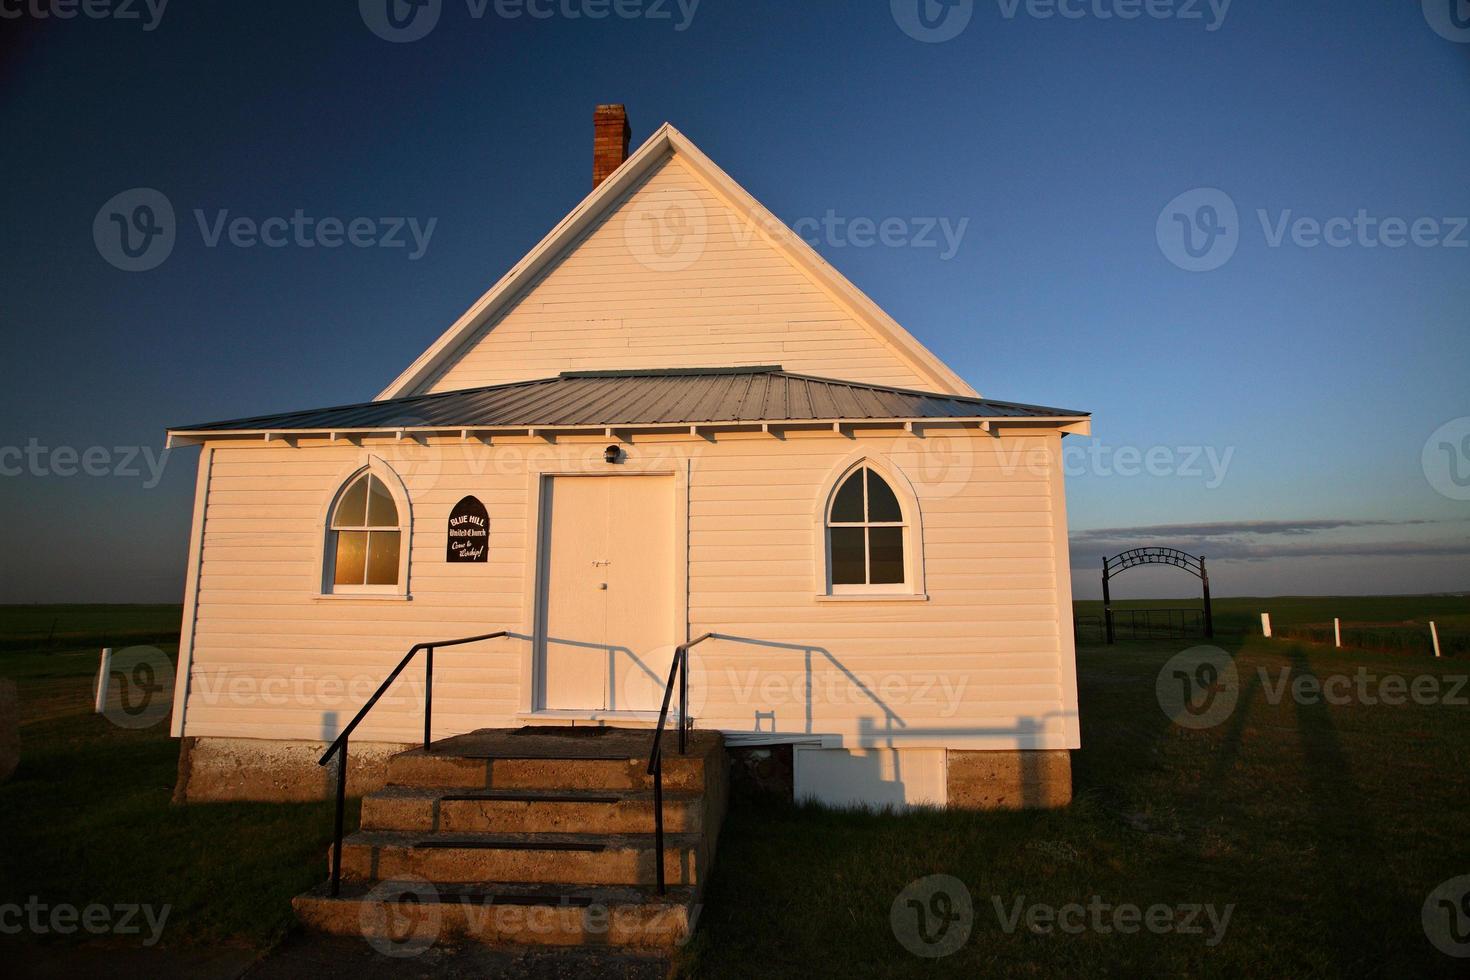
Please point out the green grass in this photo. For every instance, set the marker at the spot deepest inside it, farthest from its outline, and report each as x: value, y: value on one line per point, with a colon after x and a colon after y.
x: 1389, y: 624
x: 87, y: 817
x: 1243, y: 614
x: 43, y: 629
x: 1386, y: 637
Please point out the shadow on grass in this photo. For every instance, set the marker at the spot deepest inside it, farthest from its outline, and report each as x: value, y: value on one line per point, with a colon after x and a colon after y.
x: 88, y: 820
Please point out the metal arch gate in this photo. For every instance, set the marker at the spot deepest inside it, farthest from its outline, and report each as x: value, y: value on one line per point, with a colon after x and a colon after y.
x: 1194, y: 564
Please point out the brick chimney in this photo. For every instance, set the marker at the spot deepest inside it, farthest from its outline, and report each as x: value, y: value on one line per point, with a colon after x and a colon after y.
x: 610, y: 136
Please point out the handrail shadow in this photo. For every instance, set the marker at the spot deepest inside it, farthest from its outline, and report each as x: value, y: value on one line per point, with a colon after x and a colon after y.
x: 613, y: 650
x: 808, y: 649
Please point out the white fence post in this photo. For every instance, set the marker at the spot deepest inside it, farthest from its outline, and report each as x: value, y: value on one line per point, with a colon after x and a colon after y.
x: 1266, y: 625
x: 1337, y: 632
x: 103, y: 670
x: 1434, y: 635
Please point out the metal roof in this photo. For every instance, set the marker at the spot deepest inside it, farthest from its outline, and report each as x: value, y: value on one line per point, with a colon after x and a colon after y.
x: 652, y: 397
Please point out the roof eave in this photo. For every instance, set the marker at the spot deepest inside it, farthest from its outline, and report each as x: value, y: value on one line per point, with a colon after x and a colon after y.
x: 1080, y: 424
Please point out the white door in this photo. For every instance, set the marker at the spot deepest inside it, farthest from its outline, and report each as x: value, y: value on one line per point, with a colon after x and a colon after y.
x: 607, y: 626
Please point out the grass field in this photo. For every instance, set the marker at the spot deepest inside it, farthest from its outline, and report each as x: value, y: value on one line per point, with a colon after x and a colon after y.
x: 87, y: 816
x: 59, y: 629
x: 1323, y: 826
x: 1391, y: 624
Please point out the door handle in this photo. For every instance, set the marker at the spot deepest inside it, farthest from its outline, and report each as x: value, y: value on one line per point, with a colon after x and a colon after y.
x: 602, y: 586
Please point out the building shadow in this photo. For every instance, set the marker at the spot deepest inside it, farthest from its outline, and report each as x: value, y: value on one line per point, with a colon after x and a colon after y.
x: 1334, y: 797
x: 887, y: 731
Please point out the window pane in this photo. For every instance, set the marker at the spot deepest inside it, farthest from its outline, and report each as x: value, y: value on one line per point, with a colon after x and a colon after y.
x: 352, y: 508
x: 382, y: 565
x: 848, y: 507
x: 886, y: 558
x: 882, y: 504
x: 847, y: 556
x: 351, y: 557
x: 381, y: 511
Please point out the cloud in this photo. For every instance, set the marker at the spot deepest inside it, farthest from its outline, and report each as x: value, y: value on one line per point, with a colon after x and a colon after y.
x: 1266, y: 540
x: 1225, y: 529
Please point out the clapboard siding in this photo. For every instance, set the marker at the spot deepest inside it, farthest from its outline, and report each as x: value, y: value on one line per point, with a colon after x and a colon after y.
x: 981, y: 662
x: 734, y: 300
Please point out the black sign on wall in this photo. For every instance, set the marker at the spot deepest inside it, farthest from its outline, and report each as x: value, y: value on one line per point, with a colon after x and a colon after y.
x: 469, y: 532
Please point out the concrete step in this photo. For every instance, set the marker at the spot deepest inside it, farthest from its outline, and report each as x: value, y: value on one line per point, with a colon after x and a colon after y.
x: 588, y: 859
x: 553, y: 759
x: 437, y: 769
x: 530, y: 837
x: 412, y: 914
x: 583, y: 811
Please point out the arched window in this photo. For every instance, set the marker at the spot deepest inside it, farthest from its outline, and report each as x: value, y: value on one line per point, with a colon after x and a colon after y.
x: 364, y: 548
x: 867, y: 537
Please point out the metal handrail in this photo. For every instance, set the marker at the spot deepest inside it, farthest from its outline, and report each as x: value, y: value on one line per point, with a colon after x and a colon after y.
x: 679, y: 668
x: 340, y: 744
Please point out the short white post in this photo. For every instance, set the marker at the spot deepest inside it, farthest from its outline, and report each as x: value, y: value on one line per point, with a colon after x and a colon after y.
x: 1266, y: 624
x: 104, y: 669
x: 1337, y: 632
x: 1434, y: 635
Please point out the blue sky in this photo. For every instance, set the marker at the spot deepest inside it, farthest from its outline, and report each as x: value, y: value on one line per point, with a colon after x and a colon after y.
x: 1312, y: 375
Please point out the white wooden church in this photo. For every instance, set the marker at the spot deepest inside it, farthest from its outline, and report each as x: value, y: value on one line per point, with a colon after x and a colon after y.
x: 671, y: 419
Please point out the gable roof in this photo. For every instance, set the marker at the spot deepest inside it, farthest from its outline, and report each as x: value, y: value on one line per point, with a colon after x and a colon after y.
x: 603, y: 200
x: 680, y: 396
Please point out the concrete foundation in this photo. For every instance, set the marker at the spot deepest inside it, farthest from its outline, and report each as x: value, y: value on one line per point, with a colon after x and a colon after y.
x: 262, y: 770
x: 1009, y: 780
x: 265, y: 770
